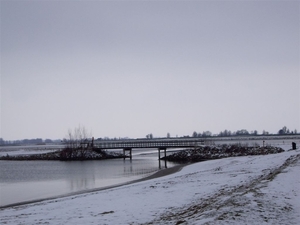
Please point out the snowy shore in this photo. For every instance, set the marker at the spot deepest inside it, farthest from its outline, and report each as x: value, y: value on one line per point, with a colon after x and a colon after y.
x: 262, y: 189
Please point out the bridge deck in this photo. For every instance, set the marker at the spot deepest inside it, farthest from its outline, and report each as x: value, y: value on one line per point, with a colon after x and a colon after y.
x: 147, y: 144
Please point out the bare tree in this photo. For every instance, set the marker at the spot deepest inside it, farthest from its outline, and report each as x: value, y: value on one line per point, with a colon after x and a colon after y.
x: 149, y: 136
x: 195, y: 134
x: 77, y: 144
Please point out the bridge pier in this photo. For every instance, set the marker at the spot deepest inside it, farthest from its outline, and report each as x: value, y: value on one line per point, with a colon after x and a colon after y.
x: 165, y: 153
x: 130, y: 152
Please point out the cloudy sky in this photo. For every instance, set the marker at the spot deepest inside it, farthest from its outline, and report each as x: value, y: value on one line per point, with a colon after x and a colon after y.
x: 130, y: 68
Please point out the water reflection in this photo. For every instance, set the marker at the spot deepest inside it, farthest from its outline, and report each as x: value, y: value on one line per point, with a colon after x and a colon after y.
x: 164, y: 163
x: 128, y: 169
x: 30, y: 180
x: 81, y: 175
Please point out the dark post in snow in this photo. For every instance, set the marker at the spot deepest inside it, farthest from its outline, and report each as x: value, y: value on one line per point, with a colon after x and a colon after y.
x: 294, y: 145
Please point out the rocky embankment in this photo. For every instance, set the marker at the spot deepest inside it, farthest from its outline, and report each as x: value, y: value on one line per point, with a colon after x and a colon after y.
x: 203, y: 153
x: 67, y: 155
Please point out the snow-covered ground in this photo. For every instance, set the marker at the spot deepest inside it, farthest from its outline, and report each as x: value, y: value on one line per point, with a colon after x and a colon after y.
x: 239, y: 190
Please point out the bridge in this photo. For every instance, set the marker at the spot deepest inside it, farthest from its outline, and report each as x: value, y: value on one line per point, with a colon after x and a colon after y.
x: 160, y: 144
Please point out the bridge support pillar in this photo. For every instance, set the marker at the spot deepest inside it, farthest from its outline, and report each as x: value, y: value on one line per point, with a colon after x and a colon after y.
x: 127, y: 150
x: 165, y: 154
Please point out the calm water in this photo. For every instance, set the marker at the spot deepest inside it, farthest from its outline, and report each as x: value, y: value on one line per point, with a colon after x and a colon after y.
x: 32, y: 180
x: 22, y: 181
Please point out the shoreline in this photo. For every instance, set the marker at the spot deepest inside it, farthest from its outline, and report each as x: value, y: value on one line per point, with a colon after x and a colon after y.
x: 235, y: 190
x: 159, y: 173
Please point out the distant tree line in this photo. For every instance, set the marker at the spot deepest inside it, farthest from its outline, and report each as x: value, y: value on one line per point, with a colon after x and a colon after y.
x: 35, y: 141
x: 285, y: 130
x: 226, y: 133
x: 243, y: 132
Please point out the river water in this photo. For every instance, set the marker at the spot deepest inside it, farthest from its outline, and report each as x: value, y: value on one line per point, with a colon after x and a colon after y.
x: 22, y: 181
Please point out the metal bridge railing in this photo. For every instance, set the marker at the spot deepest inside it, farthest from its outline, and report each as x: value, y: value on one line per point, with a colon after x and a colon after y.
x: 147, y: 144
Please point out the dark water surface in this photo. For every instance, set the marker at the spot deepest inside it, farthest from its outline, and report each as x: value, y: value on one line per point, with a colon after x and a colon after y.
x: 22, y: 181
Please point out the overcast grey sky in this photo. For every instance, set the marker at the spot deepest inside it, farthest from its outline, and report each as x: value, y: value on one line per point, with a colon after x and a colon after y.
x: 130, y: 68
